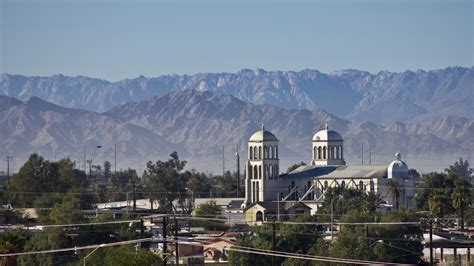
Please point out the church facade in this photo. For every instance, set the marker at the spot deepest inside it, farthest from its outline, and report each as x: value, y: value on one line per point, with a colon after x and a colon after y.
x: 307, y: 185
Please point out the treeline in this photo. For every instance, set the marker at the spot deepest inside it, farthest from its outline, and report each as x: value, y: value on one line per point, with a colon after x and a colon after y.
x: 44, y: 184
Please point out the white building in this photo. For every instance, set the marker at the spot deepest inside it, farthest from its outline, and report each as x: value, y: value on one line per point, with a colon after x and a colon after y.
x: 309, y: 183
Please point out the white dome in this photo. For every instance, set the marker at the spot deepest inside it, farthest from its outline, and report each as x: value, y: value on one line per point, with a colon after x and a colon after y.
x: 397, y: 168
x: 327, y: 135
x: 263, y: 135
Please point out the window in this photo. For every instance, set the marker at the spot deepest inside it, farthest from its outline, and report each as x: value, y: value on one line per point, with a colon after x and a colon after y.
x: 319, y: 153
x: 251, y: 153
x: 259, y: 152
x: 324, y: 153
x: 372, y: 187
x: 260, y: 172
x: 255, y: 172
x: 271, y: 152
x: 255, y: 152
x: 265, y: 152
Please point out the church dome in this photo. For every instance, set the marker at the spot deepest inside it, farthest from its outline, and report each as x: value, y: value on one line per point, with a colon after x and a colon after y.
x: 263, y: 135
x: 327, y: 135
x: 397, y: 168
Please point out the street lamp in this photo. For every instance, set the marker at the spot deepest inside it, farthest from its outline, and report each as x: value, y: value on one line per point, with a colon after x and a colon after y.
x: 340, y: 197
x: 101, y: 245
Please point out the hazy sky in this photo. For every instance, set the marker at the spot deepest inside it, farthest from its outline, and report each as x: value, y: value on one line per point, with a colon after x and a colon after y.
x: 123, y: 39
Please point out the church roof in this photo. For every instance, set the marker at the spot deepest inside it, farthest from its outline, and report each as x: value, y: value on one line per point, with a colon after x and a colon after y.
x: 354, y: 171
x: 309, y: 171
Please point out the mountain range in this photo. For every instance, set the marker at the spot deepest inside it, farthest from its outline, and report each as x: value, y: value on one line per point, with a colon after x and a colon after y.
x: 202, y: 124
x: 359, y: 96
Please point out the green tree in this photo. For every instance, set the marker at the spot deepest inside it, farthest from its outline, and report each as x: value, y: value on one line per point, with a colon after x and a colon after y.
x: 461, y: 197
x: 372, y: 201
x: 437, y: 202
x: 107, y: 169
x: 39, y: 178
x: 460, y: 169
x: 166, y: 183
x: 209, y: 209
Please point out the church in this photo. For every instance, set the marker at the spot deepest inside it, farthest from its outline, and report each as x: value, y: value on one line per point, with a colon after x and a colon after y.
x: 270, y: 195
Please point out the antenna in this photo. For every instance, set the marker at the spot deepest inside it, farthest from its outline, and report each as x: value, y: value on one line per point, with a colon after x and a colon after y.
x: 238, y: 168
x: 223, y: 160
x: 8, y: 158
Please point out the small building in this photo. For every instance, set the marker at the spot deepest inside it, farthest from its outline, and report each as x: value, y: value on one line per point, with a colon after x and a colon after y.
x: 258, y: 212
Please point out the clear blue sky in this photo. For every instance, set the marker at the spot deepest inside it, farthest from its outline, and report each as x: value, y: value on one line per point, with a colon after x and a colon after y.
x: 123, y: 39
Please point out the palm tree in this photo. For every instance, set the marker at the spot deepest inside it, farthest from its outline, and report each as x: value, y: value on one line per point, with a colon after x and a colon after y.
x: 461, y: 197
x: 393, y: 189
x: 372, y: 201
x: 436, y: 203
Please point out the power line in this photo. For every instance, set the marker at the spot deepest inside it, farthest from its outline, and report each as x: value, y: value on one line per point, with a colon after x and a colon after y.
x: 120, y: 243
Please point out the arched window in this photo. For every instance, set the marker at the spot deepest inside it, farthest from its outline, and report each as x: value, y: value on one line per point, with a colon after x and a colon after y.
x: 251, y: 153
x: 324, y: 153
x: 325, y: 184
x: 259, y: 216
x: 260, y: 152
x: 276, y: 171
x: 271, y: 152
x: 330, y: 152
x: 337, y: 152
x: 319, y: 152
x: 361, y: 186
x: 270, y: 171
x: 265, y: 152
x: 343, y: 184
x: 276, y: 152
x: 255, y: 172
x: 260, y: 172
x: 342, y: 157
x: 255, y: 152
x: 314, y: 153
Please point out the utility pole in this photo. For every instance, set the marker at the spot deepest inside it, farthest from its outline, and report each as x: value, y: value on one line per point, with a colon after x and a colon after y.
x: 362, y: 153
x: 8, y: 158
x: 223, y: 161
x: 115, y: 157
x: 84, y: 155
x: 238, y: 171
x: 90, y: 168
x: 273, y: 242
x: 165, y: 259
x: 141, y: 231
x: 431, y: 242
x: 176, y: 245
x: 370, y: 154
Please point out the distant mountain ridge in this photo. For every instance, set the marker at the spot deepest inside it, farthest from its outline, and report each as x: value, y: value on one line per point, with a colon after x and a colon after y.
x: 199, y: 123
x: 384, y: 97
